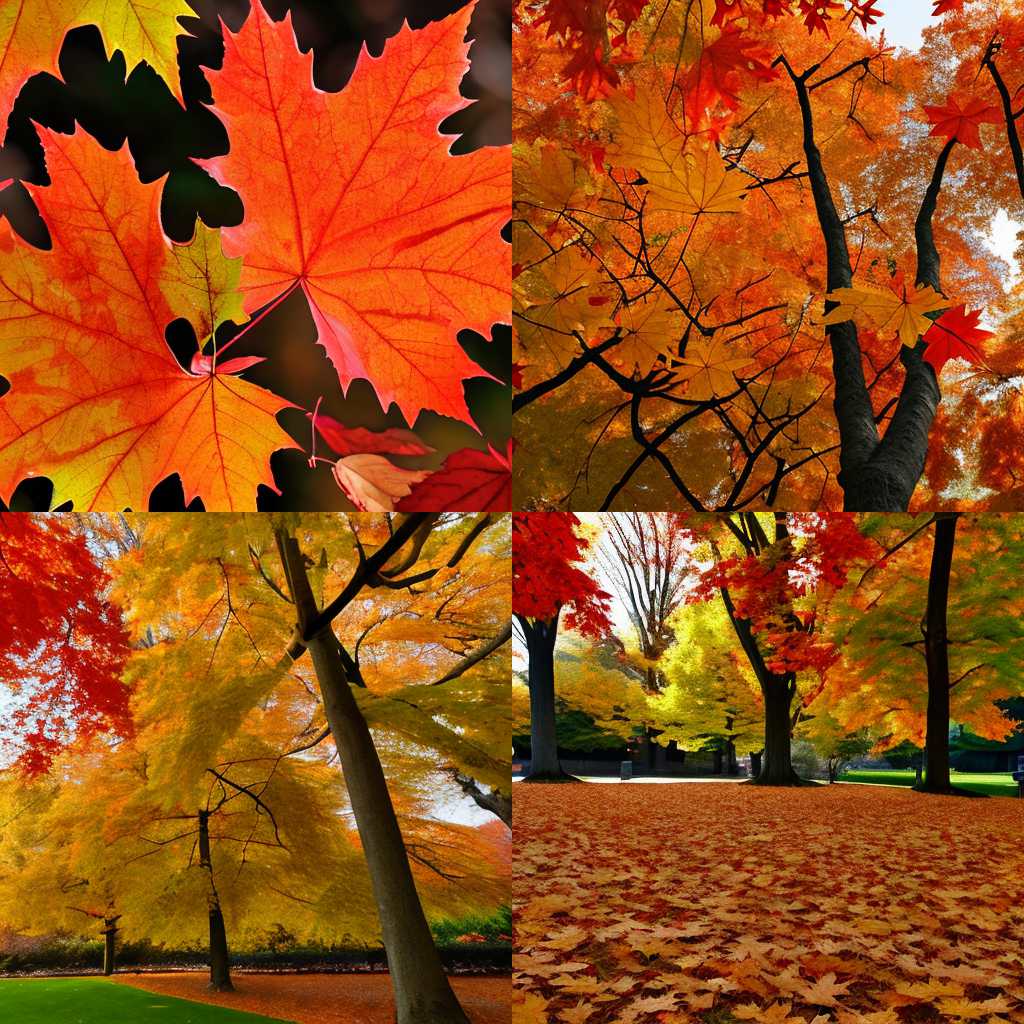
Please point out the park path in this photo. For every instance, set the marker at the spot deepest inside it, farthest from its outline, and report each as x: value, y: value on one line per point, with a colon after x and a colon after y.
x: 324, y: 998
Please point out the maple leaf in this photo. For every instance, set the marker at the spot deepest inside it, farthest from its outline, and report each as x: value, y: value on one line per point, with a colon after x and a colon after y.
x: 709, y: 368
x: 721, y: 71
x: 32, y: 31
x: 816, y: 14
x: 399, y: 247
x: 372, y: 483
x: 778, y: 1013
x: 648, y: 332
x: 97, y: 401
x: 681, y: 180
x: 823, y: 991
x: 470, y: 480
x: 867, y: 13
x: 899, y: 310
x: 960, y: 119
x: 355, y: 440
x: 942, y: 6
x: 955, y: 335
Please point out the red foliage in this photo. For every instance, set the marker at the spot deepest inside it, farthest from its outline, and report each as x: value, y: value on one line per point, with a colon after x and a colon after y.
x: 956, y: 335
x: 64, y: 644
x: 817, y: 559
x: 545, y: 574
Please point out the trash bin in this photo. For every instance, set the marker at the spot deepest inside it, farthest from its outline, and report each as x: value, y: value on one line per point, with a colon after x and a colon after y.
x: 626, y: 770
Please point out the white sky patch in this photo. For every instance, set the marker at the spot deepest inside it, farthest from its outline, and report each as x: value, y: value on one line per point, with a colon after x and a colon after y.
x: 1001, y: 240
x: 903, y: 21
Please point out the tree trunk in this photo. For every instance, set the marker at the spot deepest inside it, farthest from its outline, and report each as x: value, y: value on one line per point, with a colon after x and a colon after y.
x: 109, y: 949
x: 877, y: 474
x: 732, y: 765
x: 777, y: 764
x: 422, y: 992
x: 540, y: 646
x: 220, y: 965
x: 755, y: 763
x: 936, y: 650
x: 716, y: 767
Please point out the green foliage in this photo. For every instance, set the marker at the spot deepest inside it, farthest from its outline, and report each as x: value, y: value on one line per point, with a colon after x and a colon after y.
x: 495, y: 928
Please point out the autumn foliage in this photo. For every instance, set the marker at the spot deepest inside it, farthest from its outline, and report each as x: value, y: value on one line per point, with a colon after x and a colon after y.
x: 746, y: 267
x: 64, y: 645
x: 352, y: 198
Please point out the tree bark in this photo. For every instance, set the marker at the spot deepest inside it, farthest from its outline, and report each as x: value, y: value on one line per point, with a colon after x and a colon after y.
x: 877, y: 474
x: 936, y: 650
x: 109, y: 945
x: 422, y: 992
x: 494, y: 800
x: 540, y: 646
x: 756, y: 757
x: 716, y: 762
x: 776, y: 764
x: 220, y: 964
x: 732, y: 765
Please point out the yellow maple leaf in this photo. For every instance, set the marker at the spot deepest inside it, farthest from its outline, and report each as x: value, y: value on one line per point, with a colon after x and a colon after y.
x: 648, y: 331
x: 963, y: 1009
x: 777, y: 1014
x: 900, y: 310
x: 547, y: 176
x: 682, y: 178
x: 532, y: 1010
x: 824, y: 991
x: 708, y: 366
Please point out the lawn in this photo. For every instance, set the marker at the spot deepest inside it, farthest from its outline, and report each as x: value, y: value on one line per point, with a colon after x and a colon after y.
x: 705, y: 904
x: 989, y: 783
x: 98, y: 1001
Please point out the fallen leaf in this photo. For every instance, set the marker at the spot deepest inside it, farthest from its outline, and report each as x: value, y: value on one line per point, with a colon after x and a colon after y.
x: 372, y: 483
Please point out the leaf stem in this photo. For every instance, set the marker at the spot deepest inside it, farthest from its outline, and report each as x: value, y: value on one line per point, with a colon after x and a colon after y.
x: 254, y: 321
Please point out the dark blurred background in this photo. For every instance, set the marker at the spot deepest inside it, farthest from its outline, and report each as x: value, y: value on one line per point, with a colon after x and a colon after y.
x: 163, y: 138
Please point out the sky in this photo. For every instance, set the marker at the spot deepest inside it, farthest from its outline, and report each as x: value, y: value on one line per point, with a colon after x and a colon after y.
x: 903, y: 21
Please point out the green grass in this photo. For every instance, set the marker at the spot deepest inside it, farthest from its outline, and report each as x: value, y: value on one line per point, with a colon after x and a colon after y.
x: 989, y: 783
x: 98, y: 1001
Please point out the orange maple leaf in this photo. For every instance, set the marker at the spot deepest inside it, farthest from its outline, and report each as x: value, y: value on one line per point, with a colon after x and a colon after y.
x: 97, y: 401
x: 353, y: 197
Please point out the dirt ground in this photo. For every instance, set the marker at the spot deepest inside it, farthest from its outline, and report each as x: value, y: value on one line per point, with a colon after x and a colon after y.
x: 325, y: 998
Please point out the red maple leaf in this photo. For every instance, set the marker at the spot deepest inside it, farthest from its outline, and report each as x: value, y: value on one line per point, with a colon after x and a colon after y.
x: 816, y: 14
x: 721, y: 72
x: 959, y: 119
x: 955, y: 335
x: 942, y: 6
x: 358, y: 440
x: 867, y: 13
x: 517, y: 375
x: 470, y: 480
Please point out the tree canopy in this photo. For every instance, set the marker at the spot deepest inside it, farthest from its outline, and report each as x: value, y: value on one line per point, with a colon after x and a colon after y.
x: 750, y: 257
